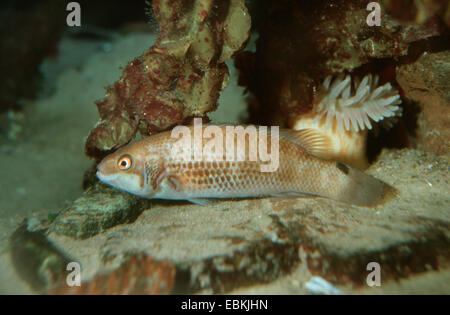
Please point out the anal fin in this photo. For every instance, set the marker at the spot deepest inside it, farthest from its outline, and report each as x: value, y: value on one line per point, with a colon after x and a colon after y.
x: 293, y: 194
x: 203, y: 201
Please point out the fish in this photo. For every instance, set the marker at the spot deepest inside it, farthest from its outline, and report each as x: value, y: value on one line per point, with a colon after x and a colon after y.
x: 152, y: 167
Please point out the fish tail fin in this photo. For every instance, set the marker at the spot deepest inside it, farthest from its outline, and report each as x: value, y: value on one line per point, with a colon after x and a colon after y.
x: 364, y: 190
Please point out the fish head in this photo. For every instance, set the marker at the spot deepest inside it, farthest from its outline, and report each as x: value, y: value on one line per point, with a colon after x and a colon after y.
x: 125, y: 169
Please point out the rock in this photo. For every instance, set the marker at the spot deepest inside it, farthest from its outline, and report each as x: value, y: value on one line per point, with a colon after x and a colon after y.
x: 417, y: 11
x: 301, y: 43
x: 46, y: 268
x: 426, y: 82
x: 96, y: 210
x: 233, y: 244
x: 177, y: 78
x: 36, y: 260
x: 139, y: 274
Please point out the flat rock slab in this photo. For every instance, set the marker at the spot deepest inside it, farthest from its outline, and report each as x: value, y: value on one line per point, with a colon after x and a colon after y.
x: 233, y: 244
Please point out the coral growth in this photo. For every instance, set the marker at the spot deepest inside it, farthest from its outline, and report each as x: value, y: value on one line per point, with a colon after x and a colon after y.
x: 180, y: 76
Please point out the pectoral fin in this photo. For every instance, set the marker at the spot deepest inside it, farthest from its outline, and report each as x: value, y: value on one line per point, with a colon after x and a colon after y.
x: 167, y: 182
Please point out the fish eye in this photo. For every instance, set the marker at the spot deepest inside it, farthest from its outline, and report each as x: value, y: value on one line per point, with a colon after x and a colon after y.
x: 125, y: 163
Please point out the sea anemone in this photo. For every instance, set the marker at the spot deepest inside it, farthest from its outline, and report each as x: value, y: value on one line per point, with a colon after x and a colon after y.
x: 344, y: 112
x: 354, y: 108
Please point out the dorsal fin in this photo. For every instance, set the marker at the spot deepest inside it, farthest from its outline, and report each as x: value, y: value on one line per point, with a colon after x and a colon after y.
x: 311, y: 140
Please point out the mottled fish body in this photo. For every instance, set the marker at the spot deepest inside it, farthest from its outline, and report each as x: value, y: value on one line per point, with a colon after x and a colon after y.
x: 151, y: 168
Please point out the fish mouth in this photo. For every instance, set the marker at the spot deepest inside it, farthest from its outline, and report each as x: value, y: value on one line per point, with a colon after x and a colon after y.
x: 106, y: 178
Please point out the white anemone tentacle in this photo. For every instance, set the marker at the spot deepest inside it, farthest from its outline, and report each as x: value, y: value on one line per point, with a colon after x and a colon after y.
x: 355, y: 105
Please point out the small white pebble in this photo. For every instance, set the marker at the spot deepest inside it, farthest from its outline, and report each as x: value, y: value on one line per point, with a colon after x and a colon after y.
x: 317, y: 285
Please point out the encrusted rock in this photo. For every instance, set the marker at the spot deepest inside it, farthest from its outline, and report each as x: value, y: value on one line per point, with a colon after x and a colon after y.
x: 180, y: 76
x: 96, y: 210
x: 303, y: 42
x: 36, y: 260
x: 139, y: 274
x: 426, y: 81
x: 417, y: 11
